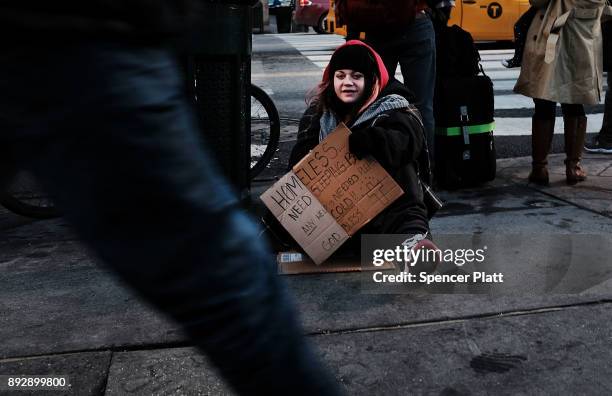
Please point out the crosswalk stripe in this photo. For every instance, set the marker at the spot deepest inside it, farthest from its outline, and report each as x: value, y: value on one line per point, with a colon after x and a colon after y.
x: 497, y: 57
x: 518, y: 126
x: 505, y: 85
x: 512, y: 102
x: 492, y: 63
x: 316, y: 52
x: 316, y: 58
x: 319, y: 48
x: 502, y: 74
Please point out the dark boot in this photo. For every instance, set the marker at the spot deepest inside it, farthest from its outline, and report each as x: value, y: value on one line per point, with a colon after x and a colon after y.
x: 574, y: 131
x: 541, y: 138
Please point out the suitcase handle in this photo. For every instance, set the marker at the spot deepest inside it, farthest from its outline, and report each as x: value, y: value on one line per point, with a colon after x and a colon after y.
x: 465, y: 118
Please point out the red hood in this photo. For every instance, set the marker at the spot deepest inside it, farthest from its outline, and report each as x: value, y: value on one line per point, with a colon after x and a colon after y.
x: 384, y: 75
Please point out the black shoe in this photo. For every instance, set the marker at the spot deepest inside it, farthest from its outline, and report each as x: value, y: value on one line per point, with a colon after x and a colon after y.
x: 595, y: 146
x: 511, y: 63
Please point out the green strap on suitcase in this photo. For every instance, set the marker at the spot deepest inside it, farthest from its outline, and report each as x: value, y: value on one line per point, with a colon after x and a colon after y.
x: 472, y: 129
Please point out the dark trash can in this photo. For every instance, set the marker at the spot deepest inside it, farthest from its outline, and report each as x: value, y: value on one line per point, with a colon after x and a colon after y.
x: 219, y: 72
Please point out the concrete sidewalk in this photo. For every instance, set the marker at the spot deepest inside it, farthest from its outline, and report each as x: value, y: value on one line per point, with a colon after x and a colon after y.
x: 63, y: 314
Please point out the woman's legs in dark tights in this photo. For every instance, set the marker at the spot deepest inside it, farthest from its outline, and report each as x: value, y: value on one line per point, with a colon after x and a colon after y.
x: 545, y: 109
x: 572, y: 110
x: 542, y: 129
x: 574, y: 132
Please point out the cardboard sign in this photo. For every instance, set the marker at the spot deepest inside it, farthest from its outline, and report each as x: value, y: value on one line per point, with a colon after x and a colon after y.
x: 329, y: 195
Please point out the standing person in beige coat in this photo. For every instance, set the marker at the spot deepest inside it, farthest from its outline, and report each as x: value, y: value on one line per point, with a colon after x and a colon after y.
x: 562, y: 63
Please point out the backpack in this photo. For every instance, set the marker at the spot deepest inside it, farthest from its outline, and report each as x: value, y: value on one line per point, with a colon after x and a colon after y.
x: 372, y: 15
x: 456, y: 53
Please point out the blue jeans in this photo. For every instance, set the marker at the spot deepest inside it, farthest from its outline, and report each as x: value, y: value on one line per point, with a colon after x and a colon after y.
x: 415, y: 51
x: 110, y: 132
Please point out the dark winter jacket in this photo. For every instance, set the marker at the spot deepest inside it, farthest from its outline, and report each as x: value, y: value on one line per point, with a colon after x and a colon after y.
x: 398, y: 138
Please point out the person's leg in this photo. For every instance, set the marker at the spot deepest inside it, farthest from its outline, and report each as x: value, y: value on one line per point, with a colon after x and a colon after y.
x: 418, y: 63
x: 110, y: 133
x: 574, y: 132
x: 387, y: 46
x: 605, y: 134
x: 602, y: 143
x: 542, y: 130
x: 388, y: 54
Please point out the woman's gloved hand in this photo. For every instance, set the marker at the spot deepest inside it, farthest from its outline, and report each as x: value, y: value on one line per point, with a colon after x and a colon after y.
x: 360, y: 144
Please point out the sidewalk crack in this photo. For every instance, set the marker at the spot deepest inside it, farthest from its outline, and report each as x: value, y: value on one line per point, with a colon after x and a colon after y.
x: 465, y: 319
x: 110, y: 363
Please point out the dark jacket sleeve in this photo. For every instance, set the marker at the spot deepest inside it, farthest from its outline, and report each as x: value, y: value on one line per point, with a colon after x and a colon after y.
x: 307, y: 137
x: 396, y: 138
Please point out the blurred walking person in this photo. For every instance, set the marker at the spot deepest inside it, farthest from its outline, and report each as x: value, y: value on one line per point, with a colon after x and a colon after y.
x: 94, y: 104
x: 562, y: 63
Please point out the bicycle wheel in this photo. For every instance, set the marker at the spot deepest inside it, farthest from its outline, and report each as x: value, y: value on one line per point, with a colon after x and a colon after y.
x: 24, y: 196
x: 265, y: 130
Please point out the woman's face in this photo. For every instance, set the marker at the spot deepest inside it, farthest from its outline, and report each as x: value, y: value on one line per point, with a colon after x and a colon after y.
x: 348, y: 85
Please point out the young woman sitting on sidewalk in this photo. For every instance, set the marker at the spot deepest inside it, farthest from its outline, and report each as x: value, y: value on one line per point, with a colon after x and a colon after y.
x: 356, y: 90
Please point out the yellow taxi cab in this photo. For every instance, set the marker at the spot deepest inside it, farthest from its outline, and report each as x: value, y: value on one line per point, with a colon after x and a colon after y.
x: 486, y: 20
x: 330, y: 25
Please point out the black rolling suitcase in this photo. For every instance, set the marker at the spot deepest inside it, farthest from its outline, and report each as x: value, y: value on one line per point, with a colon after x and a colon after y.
x: 464, y: 114
x: 465, y: 149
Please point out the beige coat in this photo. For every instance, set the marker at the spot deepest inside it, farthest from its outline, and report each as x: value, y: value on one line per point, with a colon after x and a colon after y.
x: 562, y: 61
